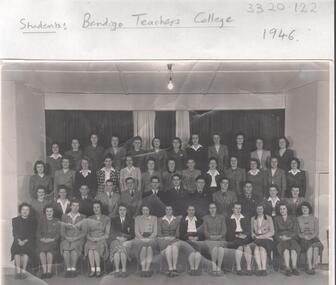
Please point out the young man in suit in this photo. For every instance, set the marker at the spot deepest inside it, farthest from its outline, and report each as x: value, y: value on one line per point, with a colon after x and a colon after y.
x: 85, y: 201
x: 277, y: 176
x: 153, y: 199
x: 131, y: 198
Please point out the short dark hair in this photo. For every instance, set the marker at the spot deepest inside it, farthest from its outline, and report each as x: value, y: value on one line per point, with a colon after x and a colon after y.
x: 39, y: 162
x: 178, y: 139
x: 273, y: 186
x: 176, y: 175
x: 97, y: 202
x: 62, y: 186
x: 109, y: 156
x: 137, y: 138
x: 74, y: 200
x: 212, y: 158
x: 171, y: 159
x: 236, y: 203
x: 93, y: 133
x: 150, y: 159
x: 221, y: 178
x: 129, y: 178
x: 240, y: 134
x: 122, y: 205
x: 255, y: 160
x: 40, y: 187
x: 286, y: 140
x: 152, y: 143
x: 155, y: 177
x: 283, y: 204
x: 75, y: 138
x: 306, y: 204
x: 200, y: 177
x: 259, y: 138
x: 24, y: 204
x: 297, y: 161
x: 274, y: 157
x: 48, y: 206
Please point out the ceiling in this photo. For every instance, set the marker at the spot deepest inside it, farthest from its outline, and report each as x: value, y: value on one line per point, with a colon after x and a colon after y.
x: 201, y: 77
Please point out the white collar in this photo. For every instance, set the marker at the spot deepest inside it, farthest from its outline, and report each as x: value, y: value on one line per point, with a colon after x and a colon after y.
x: 234, y: 217
x: 87, y: 171
x: 254, y: 172
x: 214, y: 174
x: 60, y: 201
x: 56, y: 156
x: 104, y: 169
x: 194, y: 219
x: 129, y: 169
x: 73, y: 216
x: 165, y: 218
x: 196, y: 148
x: 294, y: 173
x: 276, y: 200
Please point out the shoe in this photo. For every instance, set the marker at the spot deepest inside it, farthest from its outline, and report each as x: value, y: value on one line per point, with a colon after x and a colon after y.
x: 23, y: 276
x: 92, y: 273
x: 44, y: 276
x: 240, y: 272
x: 123, y: 274
x: 192, y: 272
x: 175, y: 273
x: 288, y: 272
x: 150, y: 273
x: 98, y: 274
x: 49, y: 275
x: 263, y: 273
x: 198, y: 272
x: 295, y: 272
x: 170, y: 273
x: 249, y: 272
x: 258, y: 273
x: 68, y: 274
x: 117, y: 274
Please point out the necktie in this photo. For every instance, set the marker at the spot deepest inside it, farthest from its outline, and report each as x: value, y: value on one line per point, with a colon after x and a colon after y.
x: 132, y: 193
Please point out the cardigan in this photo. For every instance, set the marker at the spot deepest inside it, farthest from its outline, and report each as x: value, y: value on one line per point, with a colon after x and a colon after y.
x: 117, y: 157
x: 258, y: 182
x: 296, y: 180
x: 67, y: 179
x: 308, y: 226
x: 189, y: 179
x: 284, y: 160
x: 90, y: 180
x: 184, y: 228
x: 224, y: 202
x: 200, y: 157
x: 265, y: 230
x: 135, y: 173
x: 95, y: 155
x: 166, y: 229
x: 279, y: 179
x: 236, y: 177
x: 265, y: 158
x: 288, y: 227
x: 232, y: 226
x: 76, y: 157
x: 222, y: 156
x: 180, y: 158
x: 146, y: 180
x: 36, y: 180
x: 214, y: 225
x: 147, y: 225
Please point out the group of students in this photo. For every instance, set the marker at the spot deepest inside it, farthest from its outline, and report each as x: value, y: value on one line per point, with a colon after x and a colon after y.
x: 196, y: 201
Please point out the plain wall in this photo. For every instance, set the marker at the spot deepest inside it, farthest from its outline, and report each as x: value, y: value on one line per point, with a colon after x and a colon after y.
x: 62, y: 101
x: 307, y: 127
x: 23, y: 142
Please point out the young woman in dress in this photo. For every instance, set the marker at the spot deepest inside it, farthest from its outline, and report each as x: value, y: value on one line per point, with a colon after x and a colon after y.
x: 98, y: 231
x: 262, y: 229
x: 168, y: 239
x: 40, y: 178
x: 191, y: 233
x: 308, y: 235
x: 145, y: 240
x: 286, y: 230
x: 48, y: 234
x: 73, y: 233
x: 214, y: 233
x: 24, y: 230
x: 122, y: 232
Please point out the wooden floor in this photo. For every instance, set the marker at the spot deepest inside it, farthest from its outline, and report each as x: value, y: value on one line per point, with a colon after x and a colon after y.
x: 275, y: 278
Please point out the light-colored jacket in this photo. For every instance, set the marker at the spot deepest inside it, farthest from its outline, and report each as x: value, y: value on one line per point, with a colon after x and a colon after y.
x: 263, y: 231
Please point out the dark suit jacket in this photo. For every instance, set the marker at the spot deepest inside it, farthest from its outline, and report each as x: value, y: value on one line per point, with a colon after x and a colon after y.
x: 177, y: 199
x: 126, y: 229
x: 85, y: 207
x: 231, y: 227
x: 184, y: 228
x: 243, y: 156
x: 208, y: 179
x: 58, y: 212
x: 200, y: 201
x: 155, y: 202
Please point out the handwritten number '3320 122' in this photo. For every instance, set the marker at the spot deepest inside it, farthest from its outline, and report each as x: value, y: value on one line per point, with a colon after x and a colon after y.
x: 298, y: 7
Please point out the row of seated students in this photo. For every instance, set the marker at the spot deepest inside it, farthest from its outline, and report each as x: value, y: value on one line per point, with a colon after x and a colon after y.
x: 262, y: 170
x: 123, y: 238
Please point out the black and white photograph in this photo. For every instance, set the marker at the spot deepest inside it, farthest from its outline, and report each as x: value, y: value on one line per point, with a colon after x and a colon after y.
x: 177, y: 172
